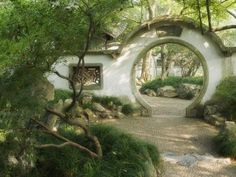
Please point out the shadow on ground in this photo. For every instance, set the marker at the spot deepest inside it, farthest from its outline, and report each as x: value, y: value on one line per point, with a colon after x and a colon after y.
x: 172, y: 132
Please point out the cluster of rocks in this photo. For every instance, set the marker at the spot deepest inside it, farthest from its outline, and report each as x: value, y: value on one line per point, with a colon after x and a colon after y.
x: 213, y: 116
x: 96, y: 111
x: 184, y: 91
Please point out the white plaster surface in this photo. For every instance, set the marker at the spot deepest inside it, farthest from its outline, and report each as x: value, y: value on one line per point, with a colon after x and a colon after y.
x: 118, y: 79
x: 115, y: 75
x: 234, y: 63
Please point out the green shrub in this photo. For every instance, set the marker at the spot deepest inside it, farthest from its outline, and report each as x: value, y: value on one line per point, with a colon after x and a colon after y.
x: 127, y: 109
x: 189, y: 95
x: 87, y: 106
x: 123, y: 156
x: 226, y: 142
x: 17, y: 147
x: 61, y: 94
x: 19, y: 90
x: 193, y: 80
x: 107, y: 100
x: 2, y: 135
x: 172, y: 81
x: 225, y: 97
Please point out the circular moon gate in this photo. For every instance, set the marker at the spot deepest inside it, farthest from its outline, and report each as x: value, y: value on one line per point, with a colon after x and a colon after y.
x: 185, y: 34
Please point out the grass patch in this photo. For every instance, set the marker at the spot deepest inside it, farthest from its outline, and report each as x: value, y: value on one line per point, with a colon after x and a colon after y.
x: 128, y: 109
x: 107, y: 101
x: 226, y: 142
x: 61, y: 95
x: 124, y: 155
x: 172, y: 81
x: 87, y: 106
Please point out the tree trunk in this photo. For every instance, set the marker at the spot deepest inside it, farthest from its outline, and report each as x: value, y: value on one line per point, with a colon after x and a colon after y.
x: 200, y: 15
x: 145, y: 74
x: 208, y: 2
x: 150, y: 11
x: 163, y: 63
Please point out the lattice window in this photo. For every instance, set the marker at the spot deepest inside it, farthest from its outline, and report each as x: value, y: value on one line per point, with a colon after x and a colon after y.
x: 92, y: 76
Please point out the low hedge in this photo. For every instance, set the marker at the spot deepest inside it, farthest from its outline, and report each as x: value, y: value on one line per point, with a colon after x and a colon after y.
x: 172, y: 81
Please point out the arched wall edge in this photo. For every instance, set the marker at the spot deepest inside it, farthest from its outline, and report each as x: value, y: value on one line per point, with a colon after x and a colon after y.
x: 161, y: 41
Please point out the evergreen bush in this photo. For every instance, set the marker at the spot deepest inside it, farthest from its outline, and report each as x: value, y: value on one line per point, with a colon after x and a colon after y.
x: 226, y: 142
x: 225, y: 97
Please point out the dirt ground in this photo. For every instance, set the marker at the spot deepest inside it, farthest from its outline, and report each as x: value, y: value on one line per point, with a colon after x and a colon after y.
x: 174, y: 134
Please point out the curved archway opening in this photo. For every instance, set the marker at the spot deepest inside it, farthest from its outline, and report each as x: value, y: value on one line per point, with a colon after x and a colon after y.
x: 170, y: 74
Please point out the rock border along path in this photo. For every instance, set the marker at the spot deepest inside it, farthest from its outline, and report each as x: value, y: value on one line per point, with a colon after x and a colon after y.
x: 186, y: 145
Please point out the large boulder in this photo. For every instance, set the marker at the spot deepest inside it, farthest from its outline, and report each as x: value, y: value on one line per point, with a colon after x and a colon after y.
x: 229, y: 125
x: 67, y: 102
x: 188, y: 91
x: 216, y: 120
x: 118, y: 115
x: 104, y: 115
x: 213, y: 116
x: 150, y: 92
x: 87, y: 98
x: 43, y: 89
x: 98, y: 107
x: 90, y: 114
x: 167, y: 91
x: 210, y: 110
x: 78, y: 110
x: 51, y: 119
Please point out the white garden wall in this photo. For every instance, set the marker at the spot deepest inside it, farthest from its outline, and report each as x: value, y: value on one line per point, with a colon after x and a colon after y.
x: 118, y: 74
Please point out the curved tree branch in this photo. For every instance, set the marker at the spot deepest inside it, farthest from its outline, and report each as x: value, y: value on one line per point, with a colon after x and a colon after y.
x: 67, y: 141
x: 77, y: 122
x: 227, y: 27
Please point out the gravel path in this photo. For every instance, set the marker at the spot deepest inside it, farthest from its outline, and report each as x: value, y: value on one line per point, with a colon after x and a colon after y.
x: 185, y: 144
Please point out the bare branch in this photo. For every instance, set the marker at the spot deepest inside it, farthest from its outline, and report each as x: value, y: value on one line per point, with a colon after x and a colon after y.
x: 72, y: 84
x: 227, y: 27
x: 73, y: 121
x: 184, y: 8
x: 231, y: 13
x: 58, y: 136
x: 61, y: 76
x: 77, y: 122
x: 52, y: 145
x: 224, y: 1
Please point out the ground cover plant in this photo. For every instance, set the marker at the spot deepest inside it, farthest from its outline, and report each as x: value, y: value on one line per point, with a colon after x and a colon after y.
x: 226, y: 142
x: 60, y: 94
x: 123, y: 155
x: 107, y: 100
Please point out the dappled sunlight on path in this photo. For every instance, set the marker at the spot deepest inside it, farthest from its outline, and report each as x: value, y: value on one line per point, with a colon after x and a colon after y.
x: 172, y: 132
